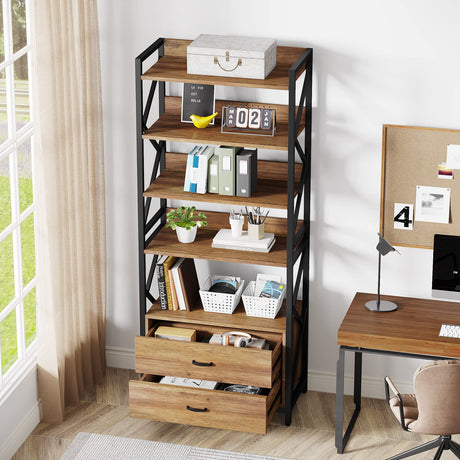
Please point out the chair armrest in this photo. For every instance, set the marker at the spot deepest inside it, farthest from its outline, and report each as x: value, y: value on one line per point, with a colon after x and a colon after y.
x: 389, y: 385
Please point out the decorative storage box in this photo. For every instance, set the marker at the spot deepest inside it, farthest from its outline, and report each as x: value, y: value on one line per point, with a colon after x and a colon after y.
x: 229, y: 56
x: 261, y: 307
x: 218, y: 302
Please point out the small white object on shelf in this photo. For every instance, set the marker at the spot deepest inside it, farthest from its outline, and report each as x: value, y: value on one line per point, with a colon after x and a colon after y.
x: 185, y: 235
x: 236, y: 224
x: 262, y: 307
x: 225, y: 240
x: 219, y: 302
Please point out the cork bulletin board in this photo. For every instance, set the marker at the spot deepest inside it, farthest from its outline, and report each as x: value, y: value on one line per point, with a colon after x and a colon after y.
x: 410, y: 158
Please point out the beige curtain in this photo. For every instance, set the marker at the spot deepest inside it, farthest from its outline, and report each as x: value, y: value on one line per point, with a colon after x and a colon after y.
x: 70, y: 201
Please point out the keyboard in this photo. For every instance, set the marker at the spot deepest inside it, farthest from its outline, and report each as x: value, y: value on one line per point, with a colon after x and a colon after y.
x: 449, y: 330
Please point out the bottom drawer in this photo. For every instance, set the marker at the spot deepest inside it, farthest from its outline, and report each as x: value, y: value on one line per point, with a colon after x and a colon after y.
x: 210, y: 408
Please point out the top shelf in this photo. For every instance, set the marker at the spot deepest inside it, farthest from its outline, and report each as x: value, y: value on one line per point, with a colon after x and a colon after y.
x: 173, y: 67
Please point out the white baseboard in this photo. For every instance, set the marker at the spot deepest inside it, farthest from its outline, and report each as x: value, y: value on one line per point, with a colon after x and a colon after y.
x: 317, y: 381
x: 371, y: 387
x: 21, y: 433
x: 123, y: 358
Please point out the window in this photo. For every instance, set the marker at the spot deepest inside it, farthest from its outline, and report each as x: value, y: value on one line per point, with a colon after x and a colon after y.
x: 17, y: 247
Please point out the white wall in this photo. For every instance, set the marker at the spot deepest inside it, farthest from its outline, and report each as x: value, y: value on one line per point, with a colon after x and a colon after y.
x: 392, y: 61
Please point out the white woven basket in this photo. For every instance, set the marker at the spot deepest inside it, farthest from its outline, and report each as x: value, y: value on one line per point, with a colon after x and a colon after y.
x: 261, y: 307
x: 218, y: 302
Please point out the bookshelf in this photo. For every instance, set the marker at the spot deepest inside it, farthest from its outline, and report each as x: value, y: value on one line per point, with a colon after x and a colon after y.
x: 283, y: 184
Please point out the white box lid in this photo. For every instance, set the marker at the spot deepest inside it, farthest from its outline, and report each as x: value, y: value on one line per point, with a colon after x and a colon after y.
x: 218, y: 45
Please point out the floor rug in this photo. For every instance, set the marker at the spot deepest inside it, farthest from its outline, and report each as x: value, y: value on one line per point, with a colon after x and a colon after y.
x: 88, y: 446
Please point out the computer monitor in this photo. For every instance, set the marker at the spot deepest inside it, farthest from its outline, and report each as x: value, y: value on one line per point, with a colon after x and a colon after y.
x: 446, y: 267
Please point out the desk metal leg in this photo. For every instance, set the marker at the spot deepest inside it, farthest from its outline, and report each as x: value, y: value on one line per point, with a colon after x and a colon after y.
x: 340, y: 442
x: 358, y: 379
x: 340, y: 376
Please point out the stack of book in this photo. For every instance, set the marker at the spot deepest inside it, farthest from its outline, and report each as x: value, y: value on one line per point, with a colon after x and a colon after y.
x: 177, y: 283
x: 196, y: 173
x: 225, y: 240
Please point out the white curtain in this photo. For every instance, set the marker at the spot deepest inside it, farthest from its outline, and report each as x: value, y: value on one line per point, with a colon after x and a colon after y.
x: 69, y: 195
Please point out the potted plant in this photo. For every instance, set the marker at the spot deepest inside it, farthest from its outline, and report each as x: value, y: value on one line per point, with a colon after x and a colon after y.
x: 185, y: 222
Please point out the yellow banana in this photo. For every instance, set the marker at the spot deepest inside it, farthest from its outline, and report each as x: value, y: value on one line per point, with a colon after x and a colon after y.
x: 202, y: 122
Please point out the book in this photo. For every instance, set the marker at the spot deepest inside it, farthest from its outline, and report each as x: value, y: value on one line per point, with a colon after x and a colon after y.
x: 179, y: 294
x: 272, y: 290
x: 261, y: 280
x: 175, y: 304
x: 170, y: 260
x: 186, y: 382
x: 224, y: 239
x: 188, y: 168
x: 203, y: 161
x: 161, y: 283
x: 243, y: 248
x: 194, y: 171
x: 189, y: 283
x: 175, y: 333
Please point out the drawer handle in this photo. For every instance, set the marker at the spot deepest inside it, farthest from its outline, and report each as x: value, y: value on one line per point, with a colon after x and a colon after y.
x: 197, y: 363
x: 195, y: 409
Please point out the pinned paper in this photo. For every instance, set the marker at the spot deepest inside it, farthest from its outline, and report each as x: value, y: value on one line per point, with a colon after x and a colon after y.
x: 444, y: 172
x: 432, y: 204
x: 453, y: 156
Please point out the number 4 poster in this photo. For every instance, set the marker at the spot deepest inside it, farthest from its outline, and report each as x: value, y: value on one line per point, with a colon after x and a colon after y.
x: 403, y: 216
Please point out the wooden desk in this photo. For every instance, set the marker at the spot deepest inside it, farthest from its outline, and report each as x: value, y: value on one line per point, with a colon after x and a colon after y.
x: 410, y: 331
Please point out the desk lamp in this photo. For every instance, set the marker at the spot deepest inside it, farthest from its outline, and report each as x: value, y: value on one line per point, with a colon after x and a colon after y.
x: 383, y: 247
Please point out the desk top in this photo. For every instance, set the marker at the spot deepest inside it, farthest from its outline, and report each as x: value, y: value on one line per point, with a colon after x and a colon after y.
x: 412, y: 328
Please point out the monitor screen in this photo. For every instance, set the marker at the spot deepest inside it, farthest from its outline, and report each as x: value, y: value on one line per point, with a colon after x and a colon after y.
x: 446, y: 266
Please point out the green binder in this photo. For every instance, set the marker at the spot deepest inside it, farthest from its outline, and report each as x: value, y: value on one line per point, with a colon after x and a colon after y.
x: 213, y: 174
x: 227, y: 169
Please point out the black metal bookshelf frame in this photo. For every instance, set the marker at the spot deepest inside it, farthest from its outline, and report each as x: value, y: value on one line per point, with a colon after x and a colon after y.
x: 298, y: 242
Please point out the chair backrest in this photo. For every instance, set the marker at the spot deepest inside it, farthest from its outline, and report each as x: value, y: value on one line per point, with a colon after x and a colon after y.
x: 437, y: 390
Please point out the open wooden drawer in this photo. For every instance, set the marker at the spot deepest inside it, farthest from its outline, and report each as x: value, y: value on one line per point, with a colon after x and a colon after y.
x: 245, y: 366
x: 209, y: 408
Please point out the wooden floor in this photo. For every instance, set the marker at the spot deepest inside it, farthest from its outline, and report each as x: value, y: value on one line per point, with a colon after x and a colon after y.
x: 376, y: 436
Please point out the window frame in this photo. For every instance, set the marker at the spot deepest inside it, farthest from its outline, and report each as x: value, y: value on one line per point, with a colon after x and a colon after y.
x: 27, y: 356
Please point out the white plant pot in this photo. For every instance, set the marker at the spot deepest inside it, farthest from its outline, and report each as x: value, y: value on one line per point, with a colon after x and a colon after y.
x: 186, y: 236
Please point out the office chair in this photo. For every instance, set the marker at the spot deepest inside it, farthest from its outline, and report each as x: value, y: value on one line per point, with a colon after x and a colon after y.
x: 433, y: 409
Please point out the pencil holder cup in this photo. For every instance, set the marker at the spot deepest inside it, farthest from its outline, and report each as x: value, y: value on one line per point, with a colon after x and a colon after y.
x: 237, y: 226
x: 256, y: 231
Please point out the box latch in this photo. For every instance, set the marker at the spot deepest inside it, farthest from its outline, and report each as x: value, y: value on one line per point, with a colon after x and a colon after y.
x: 227, y: 59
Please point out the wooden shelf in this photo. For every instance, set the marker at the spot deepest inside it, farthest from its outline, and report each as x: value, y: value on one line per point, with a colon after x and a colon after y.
x: 170, y: 185
x: 166, y: 243
x: 271, y: 185
x: 170, y: 128
x: 237, y: 320
x: 173, y: 67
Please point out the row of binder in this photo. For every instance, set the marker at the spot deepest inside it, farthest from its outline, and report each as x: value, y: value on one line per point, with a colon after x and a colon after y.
x: 224, y: 170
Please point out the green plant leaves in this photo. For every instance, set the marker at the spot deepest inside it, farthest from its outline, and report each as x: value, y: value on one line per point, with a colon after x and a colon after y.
x: 184, y: 217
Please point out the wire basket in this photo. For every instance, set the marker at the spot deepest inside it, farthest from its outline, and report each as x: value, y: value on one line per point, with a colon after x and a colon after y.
x: 261, y: 307
x: 219, y: 302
